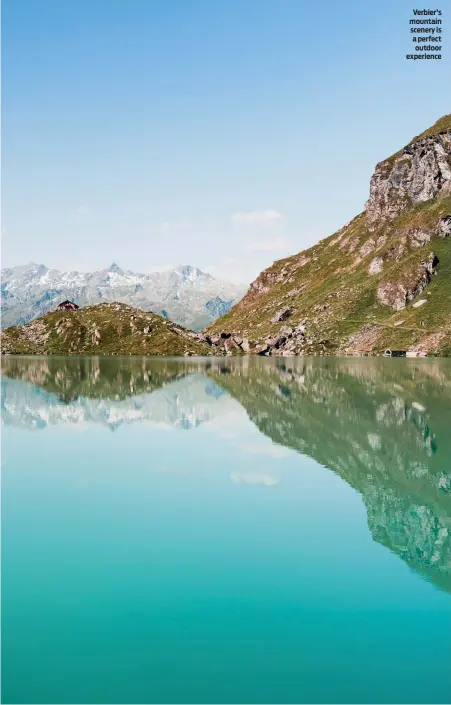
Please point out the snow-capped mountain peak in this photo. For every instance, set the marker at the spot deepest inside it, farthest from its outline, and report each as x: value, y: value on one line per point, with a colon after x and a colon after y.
x: 115, y: 268
x: 192, y: 273
x: 184, y: 294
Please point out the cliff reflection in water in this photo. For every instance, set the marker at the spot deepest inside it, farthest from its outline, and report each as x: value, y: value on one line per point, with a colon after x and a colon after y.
x: 383, y: 426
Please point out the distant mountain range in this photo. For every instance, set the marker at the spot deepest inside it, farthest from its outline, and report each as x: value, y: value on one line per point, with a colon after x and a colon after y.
x: 185, y: 295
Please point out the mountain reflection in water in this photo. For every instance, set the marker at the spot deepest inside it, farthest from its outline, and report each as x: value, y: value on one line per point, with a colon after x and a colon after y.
x: 383, y: 426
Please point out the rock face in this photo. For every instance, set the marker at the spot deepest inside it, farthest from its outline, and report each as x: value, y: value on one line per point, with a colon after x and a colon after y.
x: 282, y: 315
x: 396, y: 294
x: 418, y: 237
x: 376, y: 265
x: 392, y: 294
x: 421, y: 171
x: 444, y: 226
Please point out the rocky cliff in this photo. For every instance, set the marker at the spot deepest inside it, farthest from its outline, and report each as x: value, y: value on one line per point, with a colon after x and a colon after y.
x: 418, y: 173
x: 383, y: 280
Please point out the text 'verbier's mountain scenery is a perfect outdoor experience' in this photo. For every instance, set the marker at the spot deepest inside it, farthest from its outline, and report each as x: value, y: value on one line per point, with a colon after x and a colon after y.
x: 229, y: 480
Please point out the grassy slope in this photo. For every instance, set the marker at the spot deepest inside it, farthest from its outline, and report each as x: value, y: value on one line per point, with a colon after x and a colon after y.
x: 437, y: 128
x: 120, y: 331
x: 334, y: 276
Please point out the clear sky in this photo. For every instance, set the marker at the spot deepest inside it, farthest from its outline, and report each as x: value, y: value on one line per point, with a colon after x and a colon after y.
x: 220, y: 133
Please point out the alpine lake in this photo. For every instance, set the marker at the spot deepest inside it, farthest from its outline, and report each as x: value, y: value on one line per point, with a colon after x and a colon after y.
x: 226, y: 530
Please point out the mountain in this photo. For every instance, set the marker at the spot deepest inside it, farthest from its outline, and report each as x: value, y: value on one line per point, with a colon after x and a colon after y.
x: 104, y: 329
x: 382, y: 281
x: 185, y: 295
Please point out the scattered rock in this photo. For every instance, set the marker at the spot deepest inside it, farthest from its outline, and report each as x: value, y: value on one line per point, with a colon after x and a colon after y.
x: 396, y: 252
x: 302, y: 260
x: 367, y: 248
x: 286, y: 331
x: 444, y: 226
x: 301, y: 328
x: 282, y: 315
x: 397, y: 293
x: 417, y: 304
x: 381, y: 240
x: 376, y: 265
x: 362, y: 341
x: 418, y: 237
x: 229, y: 345
x: 392, y: 294
x: 295, y: 292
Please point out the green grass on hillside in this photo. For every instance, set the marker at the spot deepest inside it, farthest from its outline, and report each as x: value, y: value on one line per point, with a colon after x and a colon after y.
x: 104, y: 329
x: 334, y: 274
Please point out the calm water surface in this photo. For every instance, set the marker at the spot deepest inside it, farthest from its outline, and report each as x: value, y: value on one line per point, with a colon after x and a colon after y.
x: 226, y: 531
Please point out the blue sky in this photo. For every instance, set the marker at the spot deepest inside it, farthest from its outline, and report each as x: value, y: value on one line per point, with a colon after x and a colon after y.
x: 220, y: 133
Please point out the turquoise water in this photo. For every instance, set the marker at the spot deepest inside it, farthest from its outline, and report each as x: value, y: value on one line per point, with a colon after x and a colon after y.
x: 226, y: 531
